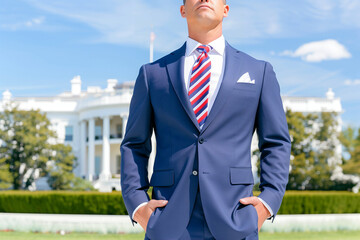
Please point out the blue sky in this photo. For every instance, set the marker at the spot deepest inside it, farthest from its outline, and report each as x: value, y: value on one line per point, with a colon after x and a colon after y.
x: 312, y: 44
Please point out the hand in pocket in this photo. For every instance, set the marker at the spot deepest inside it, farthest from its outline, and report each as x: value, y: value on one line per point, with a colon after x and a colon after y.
x: 262, y: 212
x: 142, y: 215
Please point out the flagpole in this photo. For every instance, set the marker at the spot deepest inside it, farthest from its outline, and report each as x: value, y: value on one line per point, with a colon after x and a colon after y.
x: 152, y: 38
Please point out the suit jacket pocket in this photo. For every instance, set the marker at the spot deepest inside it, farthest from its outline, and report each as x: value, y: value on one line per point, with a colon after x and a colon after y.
x: 162, y: 178
x: 245, y: 87
x: 155, y: 214
x: 147, y: 225
x: 246, y: 219
x: 241, y: 175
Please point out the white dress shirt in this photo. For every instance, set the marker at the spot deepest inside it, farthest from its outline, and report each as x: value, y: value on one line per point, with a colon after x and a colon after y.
x: 217, y: 58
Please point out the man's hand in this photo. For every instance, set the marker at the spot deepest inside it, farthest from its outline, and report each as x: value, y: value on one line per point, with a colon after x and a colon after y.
x: 142, y: 215
x: 262, y: 211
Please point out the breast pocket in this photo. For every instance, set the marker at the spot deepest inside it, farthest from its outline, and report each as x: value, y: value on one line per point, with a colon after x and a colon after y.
x: 247, y: 87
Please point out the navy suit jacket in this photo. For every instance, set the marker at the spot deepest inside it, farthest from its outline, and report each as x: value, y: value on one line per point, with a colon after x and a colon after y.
x: 221, y: 148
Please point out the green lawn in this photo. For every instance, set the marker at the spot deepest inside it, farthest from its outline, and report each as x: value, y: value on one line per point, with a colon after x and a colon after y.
x: 263, y: 236
x: 312, y: 236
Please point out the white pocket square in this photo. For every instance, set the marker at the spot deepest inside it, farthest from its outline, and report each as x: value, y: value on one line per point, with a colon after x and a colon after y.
x: 245, y: 78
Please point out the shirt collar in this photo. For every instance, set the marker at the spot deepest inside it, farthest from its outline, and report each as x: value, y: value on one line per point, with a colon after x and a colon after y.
x: 218, y: 45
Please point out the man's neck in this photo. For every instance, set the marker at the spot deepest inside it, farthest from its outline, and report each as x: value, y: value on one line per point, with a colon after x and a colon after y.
x: 205, y: 36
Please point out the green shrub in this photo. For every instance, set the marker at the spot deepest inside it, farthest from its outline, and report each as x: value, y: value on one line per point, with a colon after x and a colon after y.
x: 82, y: 202
x: 319, y: 202
x: 65, y: 202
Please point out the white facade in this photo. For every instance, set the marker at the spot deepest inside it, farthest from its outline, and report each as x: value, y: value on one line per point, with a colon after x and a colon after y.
x: 93, y: 122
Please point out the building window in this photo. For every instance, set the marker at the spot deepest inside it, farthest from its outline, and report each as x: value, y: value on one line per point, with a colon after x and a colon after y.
x: 68, y: 133
x: 118, y: 164
x: 97, y: 165
x: 119, y: 131
x: 98, y: 132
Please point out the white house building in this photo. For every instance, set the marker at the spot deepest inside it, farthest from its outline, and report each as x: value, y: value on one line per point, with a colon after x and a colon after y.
x: 93, y: 122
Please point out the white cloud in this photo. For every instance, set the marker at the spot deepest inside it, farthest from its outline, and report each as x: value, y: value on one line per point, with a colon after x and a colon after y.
x: 320, y: 51
x: 26, y: 24
x: 35, y: 21
x: 323, y: 5
x: 350, y: 82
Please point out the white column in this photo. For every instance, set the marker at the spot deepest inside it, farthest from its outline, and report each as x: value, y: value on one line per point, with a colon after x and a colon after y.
x: 82, y: 148
x: 91, y: 148
x: 105, y: 163
x: 124, y: 122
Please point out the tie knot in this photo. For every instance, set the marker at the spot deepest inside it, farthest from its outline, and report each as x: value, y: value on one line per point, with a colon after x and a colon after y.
x: 204, y: 48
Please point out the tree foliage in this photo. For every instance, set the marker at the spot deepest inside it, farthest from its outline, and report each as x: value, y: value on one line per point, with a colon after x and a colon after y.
x: 313, y: 155
x: 314, y: 160
x: 60, y: 167
x: 60, y: 171
x: 5, y: 176
x: 28, y: 149
x: 24, y: 146
x: 351, y: 144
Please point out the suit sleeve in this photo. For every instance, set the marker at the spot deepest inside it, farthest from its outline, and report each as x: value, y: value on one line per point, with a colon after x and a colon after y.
x: 274, y: 142
x: 136, y: 146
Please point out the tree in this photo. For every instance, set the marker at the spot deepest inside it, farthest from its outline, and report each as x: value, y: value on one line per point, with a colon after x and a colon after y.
x: 28, y: 149
x: 60, y: 170
x: 325, y: 159
x: 5, y: 176
x: 300, y: 148
x: 25, y: 147
x: 60, y: 167
x: 313, y: 139
x: 351, y: 144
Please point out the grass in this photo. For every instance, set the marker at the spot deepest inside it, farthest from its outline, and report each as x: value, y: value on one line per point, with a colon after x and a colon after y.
x: 69, y: 236
x: 341, y: 235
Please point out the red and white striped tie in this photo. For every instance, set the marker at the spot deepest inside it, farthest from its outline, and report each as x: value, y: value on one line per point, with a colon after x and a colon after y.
x: 200, y: 84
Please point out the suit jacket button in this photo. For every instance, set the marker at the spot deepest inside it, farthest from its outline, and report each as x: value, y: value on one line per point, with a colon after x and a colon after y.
x: 201, y: 140
x: 195, y: 172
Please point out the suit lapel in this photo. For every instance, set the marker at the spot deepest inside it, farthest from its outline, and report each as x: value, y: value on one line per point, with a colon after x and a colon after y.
x: 175, y: 67
x: 231, y: 73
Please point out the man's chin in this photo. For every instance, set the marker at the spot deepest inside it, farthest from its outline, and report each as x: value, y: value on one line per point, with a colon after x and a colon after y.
x: 206, y: 20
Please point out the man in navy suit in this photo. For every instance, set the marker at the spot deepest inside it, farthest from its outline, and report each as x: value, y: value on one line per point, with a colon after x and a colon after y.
x: 204, y: 102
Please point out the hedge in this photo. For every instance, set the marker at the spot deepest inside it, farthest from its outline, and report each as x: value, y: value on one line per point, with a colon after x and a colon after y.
x: 70, y: 202
x: 320, y: 202
x: 65, y: 202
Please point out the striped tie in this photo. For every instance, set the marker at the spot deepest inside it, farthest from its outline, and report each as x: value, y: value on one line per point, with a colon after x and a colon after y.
x: 200, y: 84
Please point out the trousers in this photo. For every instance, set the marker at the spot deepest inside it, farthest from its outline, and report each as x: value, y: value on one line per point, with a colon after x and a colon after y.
x: 197, y: 228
